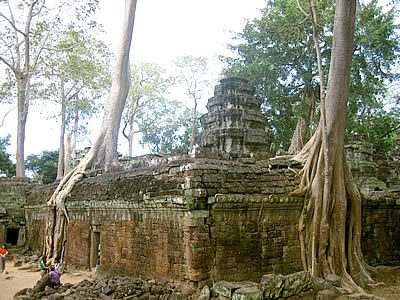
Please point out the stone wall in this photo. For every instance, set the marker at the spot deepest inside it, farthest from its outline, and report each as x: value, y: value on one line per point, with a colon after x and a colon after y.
x: 194, y: 219
x: 381, y: 228
x: 12, y: 201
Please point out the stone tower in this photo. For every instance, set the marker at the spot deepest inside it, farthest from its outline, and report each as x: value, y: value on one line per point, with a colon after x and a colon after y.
x: 234, y: 123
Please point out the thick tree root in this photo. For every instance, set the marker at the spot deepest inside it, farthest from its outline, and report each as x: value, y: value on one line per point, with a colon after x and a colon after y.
x: 57, y: 214
x: 330, y: 238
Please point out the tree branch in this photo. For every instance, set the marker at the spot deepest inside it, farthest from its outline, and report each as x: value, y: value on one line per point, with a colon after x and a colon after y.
x: 12, y: 24
x: 301, y: 9
x: 8, y: 64
x: 5, y: 115
x: 17, y: 43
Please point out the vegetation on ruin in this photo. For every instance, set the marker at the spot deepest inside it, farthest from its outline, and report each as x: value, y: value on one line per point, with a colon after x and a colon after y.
x: 330, y: 70
x: 330, y: 222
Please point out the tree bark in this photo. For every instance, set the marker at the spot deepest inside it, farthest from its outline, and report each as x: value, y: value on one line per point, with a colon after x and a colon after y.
x: 194, y: 126
x: 61, y: 151
x: 330, y: 238
x: 67, y: 154
x: 104, y: 150
x: 75, y: 133
x: 23, y: 104
x: 130, y: 138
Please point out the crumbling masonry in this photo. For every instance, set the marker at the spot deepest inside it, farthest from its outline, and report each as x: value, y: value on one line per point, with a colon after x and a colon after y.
x: 223, y: 213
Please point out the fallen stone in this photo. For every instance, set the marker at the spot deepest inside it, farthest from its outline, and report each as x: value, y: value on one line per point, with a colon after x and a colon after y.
x: 49, y: 290
x: 275, y: 286
x: 104, y: 297
x: 248, y: 293
x: 204, y: 293
x: 227, y: 289
x: 18, y: 263
x: 56, y: 296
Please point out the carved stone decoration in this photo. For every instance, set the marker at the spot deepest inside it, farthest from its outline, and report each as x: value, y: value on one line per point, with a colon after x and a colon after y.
x: 234, y: 123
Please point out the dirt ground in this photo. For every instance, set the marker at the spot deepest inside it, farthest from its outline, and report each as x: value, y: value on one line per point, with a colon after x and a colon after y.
x: 16, y: 279
x: 388, y: 280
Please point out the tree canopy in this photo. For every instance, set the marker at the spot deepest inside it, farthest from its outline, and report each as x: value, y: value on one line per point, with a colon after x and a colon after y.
x: 148, y: 91
x: 28, y: 30
x: 276, y: 53
x: 43, y: 166
x: 7, y: 167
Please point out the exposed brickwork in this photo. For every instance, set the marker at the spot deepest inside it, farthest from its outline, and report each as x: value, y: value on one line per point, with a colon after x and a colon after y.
x: 78, y: 246
x: 381, y: 229
x: 255, y: 236
x: 13, y: 193
x: 192, y: 219
x: 195, y: 219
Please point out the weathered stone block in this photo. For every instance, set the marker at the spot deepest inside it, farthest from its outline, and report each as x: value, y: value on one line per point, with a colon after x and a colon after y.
x: 248, y: 293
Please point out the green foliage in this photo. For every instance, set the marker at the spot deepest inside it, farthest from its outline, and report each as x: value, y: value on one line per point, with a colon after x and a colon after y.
x: 78, y: 76
x: 192, y: 72
x: 166, y: 127
x: 380, y: 129
x: 7, y: 167
x: 276, y: 53
x: 149, y: 85
x: 43, y: 166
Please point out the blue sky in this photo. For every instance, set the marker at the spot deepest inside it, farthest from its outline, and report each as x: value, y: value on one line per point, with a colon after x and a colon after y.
x: 163, y: 30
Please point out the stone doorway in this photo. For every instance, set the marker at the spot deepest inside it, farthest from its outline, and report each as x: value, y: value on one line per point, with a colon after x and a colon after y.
x: 94, y: 248
x: 12, y: 235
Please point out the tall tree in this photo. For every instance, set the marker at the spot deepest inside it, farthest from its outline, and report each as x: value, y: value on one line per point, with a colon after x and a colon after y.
x: 149, y: 84
x: 330, y: 223
x: 166, y: 127
x: 104, y: 150
x: 78, y: 76
x: 193, y: 72
x: 27, y: 31
x: 276, y: 53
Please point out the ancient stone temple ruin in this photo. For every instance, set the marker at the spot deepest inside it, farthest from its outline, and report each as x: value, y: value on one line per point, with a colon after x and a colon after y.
x: 193, y: 219
x: 234, y: 123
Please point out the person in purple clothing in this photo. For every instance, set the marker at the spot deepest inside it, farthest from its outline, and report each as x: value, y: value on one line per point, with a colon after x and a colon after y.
x: 54, y: 277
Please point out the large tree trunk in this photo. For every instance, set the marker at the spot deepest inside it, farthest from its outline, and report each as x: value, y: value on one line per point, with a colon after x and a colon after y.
x: 75, y: 133
x: 61, y: 151
x: 130, y: 138
x: 194, y: 126
x: 22, y: 98
x: 104, y: 151
x: 67, y: 154
x: 330, y: 224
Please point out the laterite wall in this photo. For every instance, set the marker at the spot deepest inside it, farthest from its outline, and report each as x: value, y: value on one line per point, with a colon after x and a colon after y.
x: 195, y: 219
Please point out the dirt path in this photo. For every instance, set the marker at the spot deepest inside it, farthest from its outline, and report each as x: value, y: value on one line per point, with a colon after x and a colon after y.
x: 389, y: 277
x: 16, y: 279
